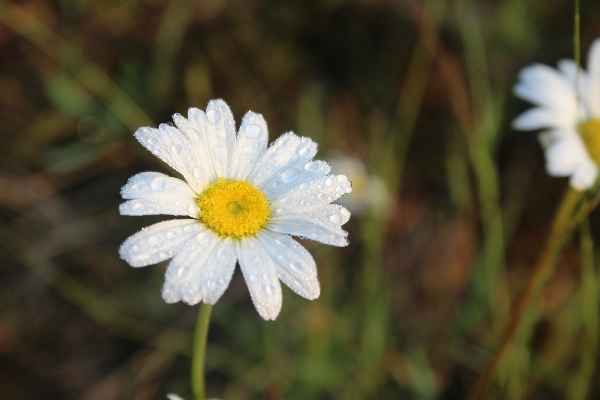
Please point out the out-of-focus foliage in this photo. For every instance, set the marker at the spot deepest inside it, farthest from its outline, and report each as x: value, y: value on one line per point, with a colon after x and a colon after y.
x: 419, y: 91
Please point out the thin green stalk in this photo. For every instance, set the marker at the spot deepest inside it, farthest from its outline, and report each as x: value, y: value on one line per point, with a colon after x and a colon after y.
x: 199, y: 352
x: 561, y: 228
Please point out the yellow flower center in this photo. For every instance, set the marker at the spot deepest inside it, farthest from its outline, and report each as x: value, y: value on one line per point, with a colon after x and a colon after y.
x: 233, y: 208
x: 590, y: 133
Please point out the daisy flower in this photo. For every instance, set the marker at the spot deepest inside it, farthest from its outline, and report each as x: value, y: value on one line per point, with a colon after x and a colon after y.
x: 243, y: 201
x: 570, y: 115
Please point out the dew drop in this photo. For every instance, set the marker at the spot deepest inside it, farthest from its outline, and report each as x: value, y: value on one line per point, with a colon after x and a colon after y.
x: 349, y: 189
x: 137, y: 206
x: 139, y: 186
x: 269, y: 290
x: 158, y: 185
x: 345, y: 213
x: 204, y: 239
x: 222, y: 256
x: 304, y: 186
x: 183, y: 272
x: 340, y: 189
x: 296, y: 266
x: 176, y: 149
x: 221, y: 134
x: 188, y: 229
x: 286, y: 201
x: 304, y: 152
x: 198, y: 173
x: 171, y: 235
x: 213, y: 116
x: 342, y: 178
x: 152, y: 140
x: 290, y: 175
x: 153, y: 241
x: 284, y: 240
x: 312, y: 166
x: 281, y: 158
x: 254, y: 131
x: 140, y: 257
x: 220, y: 153
x: 329, y: 181
x: 304, y: 203
x: 336, y: 219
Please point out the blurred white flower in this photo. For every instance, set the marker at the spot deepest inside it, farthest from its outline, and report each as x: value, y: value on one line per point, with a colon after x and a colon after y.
x: 244, y: 200
x: 368, y: 190
x: 173, y: 396
x: 570, y: 114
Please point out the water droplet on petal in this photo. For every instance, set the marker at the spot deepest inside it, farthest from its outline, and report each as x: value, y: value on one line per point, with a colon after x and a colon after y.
x: 304, y: 152
x: 158, y: 184
x: 304, y: 203
x: 345, y: 213
x: 254, y: 131
x: 213, y: 116
x: 137, y: 206
x: 139, y: 186
x: 269, y: 290
x: 220, y: 153
x: 152, y: 140
x: 223, y: 256
x: 329, y: 181
x: 140, y: 257
x: 198, y: 173
x: 290, y: 175
x: 204, y: 239
x: 188, y: 229
x: 336, y: 219
x: 282, y: 158
x: 296, y: 266
x: 340, y: 189
x: 183, y: 272
x: 171, y: 235
x: 304, y: 186
x: 286, y: 201
x: 153, y: 241
x: 284, y: 240
x: 176, y: 149
x: 312, y: 167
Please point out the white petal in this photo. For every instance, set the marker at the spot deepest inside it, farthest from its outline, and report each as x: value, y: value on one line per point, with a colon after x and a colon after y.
x: 585, y: 175
x: 201, y: 271
x: 260, y: 273
x: 158, y: 242
x: 288, y: 151
x: 174, y: 148
x: 173, y: 396
x: 310, y: 227
x: 296, y: 267
x: 153, y: 193
x: 546, y: 87
x: 251, y: 144
x: 535, y: 118
x: 220, y: 133
x: 594, y: 76
x: 569, y: 69
x: 565, y: 155
x: 294, y: 177
x: 194, y: 128
x: 313, y: 195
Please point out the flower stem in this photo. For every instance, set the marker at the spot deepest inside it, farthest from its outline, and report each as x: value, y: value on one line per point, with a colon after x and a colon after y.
x: 199, y: 351
x: 562, y: 226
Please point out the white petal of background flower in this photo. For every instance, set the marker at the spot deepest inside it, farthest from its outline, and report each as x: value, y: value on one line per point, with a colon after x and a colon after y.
x: 545, y: 86
x: 585, y: 175
x: 158, y: 242
x: 153, y: 193
x: 594, y: 76
x: 565, y: 154
x: 260, y: 273
x: 296, y: 266
x: 536, y: 118
x: 201, y: 271
x: 253, y: 138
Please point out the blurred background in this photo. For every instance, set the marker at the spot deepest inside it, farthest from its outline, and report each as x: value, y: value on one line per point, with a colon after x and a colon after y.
x: 411, y: 99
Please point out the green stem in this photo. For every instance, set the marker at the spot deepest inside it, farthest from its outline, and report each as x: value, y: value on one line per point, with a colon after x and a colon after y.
x: 562, y: 226
x: 199, y: 352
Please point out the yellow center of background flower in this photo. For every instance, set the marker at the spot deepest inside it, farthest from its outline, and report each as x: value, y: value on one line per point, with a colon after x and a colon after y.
x: 590, y: 133
x: 233, y: 208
